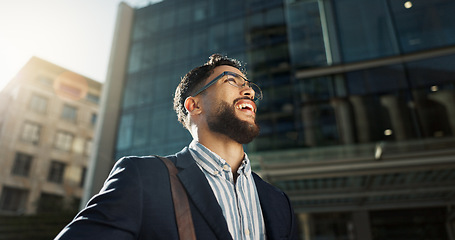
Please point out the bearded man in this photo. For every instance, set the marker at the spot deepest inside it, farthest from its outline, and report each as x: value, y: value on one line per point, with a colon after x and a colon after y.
x: 217, y: 104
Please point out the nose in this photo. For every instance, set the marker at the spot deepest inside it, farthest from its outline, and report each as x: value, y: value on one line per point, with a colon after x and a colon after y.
x: 247, y: 91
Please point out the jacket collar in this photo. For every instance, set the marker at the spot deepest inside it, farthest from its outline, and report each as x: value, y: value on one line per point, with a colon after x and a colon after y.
x: 200, y: 192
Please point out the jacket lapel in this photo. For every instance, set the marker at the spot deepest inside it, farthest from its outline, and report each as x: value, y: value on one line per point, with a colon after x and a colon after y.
x: 201, y: 194
x: 271, y: 210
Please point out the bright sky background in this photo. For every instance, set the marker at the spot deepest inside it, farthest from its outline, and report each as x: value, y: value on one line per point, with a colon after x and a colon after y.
x: 74, y: 34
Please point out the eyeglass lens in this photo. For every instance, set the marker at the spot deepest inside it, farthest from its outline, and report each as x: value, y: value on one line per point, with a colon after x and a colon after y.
x: 239, y: 81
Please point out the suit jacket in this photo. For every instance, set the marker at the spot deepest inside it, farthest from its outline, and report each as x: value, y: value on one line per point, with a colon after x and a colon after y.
x: 136, y: 203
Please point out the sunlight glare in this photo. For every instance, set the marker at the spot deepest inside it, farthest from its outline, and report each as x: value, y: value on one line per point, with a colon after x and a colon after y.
x: 388, y: 132
x: 12, y: 60
x: 408, y: 4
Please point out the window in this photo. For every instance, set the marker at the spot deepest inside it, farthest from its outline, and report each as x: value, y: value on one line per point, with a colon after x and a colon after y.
x: 50, y: 203
x: 135, y: 58
x: 83, y: 174
x: 69, y: 113
x: 199, y: 42
x: 306, y: 40
x: 424, y: 24
x: 31, y: 132
x: 45, y: 80
x: 38, y: 104
x: 125, y: 136
x: 93, y: 98
x: 432, y: 84
x: 64, y: 141
x: 235, y: 28
x: 141, y: 122
x: 22, y: 164
x: 358, y: 39
x: 93, y: 119
x: 13, y: 199
x: 56, y: 172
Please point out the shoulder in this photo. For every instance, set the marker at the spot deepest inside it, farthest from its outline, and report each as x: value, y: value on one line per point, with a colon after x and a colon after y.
x: 269, y: 194
x: 263, y: 185
x: 136, y: 160
x: 144, y: 164
x: 137, y: 171
x: 146, y: 167
x: 151, y: 159
x: 136, y: 166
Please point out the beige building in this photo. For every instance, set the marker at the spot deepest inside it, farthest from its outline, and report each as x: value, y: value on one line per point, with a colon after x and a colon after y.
x: 47, y: 122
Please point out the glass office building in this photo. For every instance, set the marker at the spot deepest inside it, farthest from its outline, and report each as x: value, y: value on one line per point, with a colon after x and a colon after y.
x: 358, y: 116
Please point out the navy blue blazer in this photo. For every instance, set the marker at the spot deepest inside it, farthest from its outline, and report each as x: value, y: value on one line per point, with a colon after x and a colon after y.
x: 136, y: 203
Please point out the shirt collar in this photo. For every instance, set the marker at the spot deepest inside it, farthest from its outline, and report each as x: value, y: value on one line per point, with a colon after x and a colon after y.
x: 212, y: 162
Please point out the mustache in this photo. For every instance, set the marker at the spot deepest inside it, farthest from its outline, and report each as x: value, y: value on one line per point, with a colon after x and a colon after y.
x: 242, y: 98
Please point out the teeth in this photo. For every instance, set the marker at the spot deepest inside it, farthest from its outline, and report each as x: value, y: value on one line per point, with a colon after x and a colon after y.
x: 245, y: 105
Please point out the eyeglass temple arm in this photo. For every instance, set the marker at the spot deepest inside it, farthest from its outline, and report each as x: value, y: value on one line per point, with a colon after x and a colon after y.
x: 209, y: 84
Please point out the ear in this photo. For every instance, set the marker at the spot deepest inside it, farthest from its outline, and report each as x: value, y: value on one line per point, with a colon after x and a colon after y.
x: 192, y: 105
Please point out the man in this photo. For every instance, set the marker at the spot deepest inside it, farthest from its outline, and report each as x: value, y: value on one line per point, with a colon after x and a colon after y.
x: 216, y: 103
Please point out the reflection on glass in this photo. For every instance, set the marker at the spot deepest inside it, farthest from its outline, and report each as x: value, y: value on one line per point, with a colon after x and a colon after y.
x: 391, y: 103
x: 306, y: 41
x: 408, y: 4
x: 365, y: 29
x: 424, y: 24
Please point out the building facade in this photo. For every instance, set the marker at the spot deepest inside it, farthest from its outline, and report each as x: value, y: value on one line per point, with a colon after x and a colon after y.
x: 47, y: 121
x: 358, y: 116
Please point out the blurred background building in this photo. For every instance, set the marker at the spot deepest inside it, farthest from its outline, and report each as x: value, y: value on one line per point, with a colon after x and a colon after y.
x: 358, y: 118
x: 47, y: 119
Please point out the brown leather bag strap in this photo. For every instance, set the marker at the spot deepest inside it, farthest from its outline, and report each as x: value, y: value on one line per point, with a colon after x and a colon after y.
x: 181, y: 205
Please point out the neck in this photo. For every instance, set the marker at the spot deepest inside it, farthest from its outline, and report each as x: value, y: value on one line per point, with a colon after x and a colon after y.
x: 226, y: 148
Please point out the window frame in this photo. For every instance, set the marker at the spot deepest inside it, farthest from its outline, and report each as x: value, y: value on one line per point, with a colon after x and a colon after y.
x: 31, y: 132
x: 69, y: 113
x: 40, y: 107
x: 56, y: 172
x: 22, y: 164
x: 64, y: 141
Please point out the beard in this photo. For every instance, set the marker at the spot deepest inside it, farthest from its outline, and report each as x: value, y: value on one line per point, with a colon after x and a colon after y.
x: 223, y: 120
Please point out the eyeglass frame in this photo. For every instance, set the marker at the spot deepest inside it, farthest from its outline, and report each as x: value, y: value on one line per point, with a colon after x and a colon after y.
x: 234, y: 75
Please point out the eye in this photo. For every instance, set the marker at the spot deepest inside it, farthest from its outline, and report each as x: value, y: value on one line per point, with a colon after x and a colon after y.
x: 231, y: 80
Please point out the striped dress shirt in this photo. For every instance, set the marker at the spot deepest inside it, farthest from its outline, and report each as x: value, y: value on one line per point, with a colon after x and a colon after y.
x: 238, y: 199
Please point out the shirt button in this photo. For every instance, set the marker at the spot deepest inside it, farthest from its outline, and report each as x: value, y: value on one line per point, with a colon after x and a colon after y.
x: 215, y: 172
x: 247, y: 231
x: 226, y: 167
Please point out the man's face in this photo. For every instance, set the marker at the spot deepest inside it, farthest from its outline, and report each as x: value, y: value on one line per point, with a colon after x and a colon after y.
x: 230, y: 110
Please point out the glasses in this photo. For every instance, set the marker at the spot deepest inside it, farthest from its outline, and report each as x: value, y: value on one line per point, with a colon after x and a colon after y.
x: 235, y: 80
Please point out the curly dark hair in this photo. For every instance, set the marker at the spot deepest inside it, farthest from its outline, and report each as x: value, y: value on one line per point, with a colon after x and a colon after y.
x: 194, y: 79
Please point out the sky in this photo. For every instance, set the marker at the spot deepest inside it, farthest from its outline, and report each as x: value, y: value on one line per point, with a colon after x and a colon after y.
x: 74, y: 34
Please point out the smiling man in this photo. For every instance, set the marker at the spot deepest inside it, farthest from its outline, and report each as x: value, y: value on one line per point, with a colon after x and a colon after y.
x: 217, y: 104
